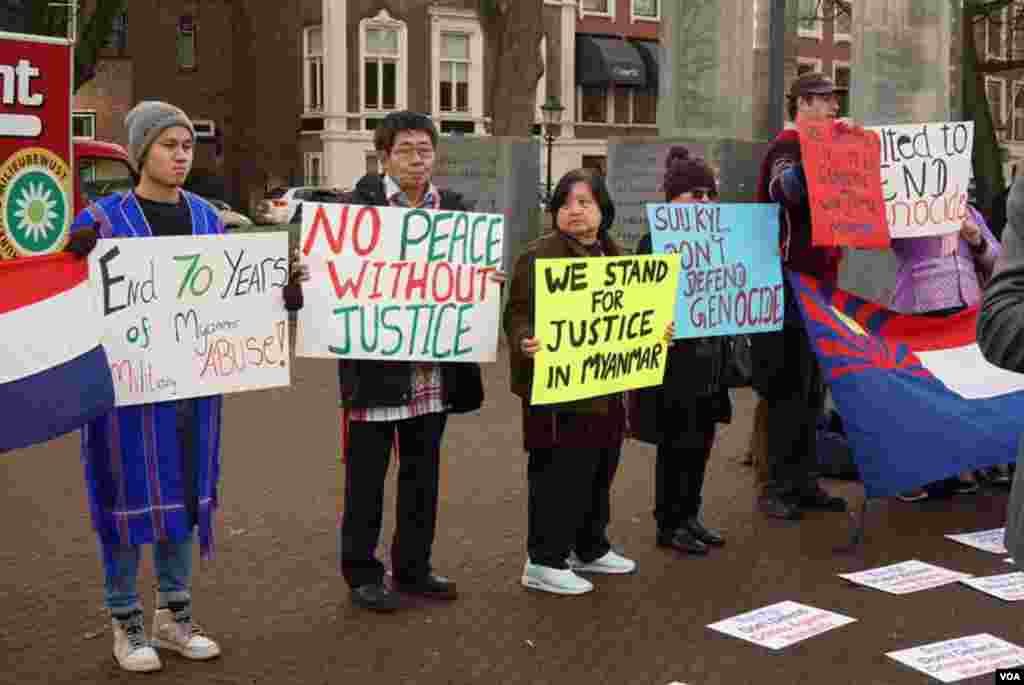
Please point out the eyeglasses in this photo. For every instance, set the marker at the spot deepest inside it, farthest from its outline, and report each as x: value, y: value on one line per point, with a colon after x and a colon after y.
x: 703, y: 194
x: 408, y: 151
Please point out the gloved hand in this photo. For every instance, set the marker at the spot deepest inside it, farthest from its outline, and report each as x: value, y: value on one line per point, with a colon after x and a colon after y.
x: 293, y: 299
x: 794, y: 183
x: 82, y: 242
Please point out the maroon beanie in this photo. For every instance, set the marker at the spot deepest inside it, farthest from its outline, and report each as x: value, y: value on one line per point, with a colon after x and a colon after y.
x: 684, y: 173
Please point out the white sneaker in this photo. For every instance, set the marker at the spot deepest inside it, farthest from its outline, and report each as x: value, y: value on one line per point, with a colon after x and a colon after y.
x: 554, y: 580
x: 183, y: 637
x: 611, y: 563
x: 132, y: 651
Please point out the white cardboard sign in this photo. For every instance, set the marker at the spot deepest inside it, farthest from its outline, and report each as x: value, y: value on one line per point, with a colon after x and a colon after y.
x: 781, y: 625
x: 192, y: 316
x: 925, y: 172
x: 391, y: 283
x: 985, y: 540
x: 905, y: 577
x: 965, y: 657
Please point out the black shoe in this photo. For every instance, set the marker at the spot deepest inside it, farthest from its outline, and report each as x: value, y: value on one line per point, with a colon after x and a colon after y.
x: 681, y: 540
x: 779, y: 507
x: 376, y: 597
x: 435, y: 587
x: 708, y: 537
x: 821, y: 500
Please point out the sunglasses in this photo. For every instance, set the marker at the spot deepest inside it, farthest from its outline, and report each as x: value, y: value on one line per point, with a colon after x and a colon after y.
x: 703, y: 194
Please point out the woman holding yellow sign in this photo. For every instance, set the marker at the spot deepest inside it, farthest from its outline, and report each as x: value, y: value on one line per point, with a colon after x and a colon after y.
x: 574, y: 447
x: 679, y: 416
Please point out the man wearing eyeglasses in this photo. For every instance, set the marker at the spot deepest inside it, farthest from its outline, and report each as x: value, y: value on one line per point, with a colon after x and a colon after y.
x: 403, y: 405
x: 786, y: 372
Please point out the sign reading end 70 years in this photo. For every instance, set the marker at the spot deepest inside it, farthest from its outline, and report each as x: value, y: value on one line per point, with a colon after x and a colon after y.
x: 192, y: 316
x: 601, y: 323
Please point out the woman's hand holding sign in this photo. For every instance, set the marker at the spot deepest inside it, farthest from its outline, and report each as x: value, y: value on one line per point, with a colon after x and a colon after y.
x: 529, y: 347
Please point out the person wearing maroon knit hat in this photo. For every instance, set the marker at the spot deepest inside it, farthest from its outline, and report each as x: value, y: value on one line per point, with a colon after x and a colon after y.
x: 680, y: 415
x: 786, y: 372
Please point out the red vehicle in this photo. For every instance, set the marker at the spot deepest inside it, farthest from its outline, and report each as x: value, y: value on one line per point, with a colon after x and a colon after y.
x: 100, y: 169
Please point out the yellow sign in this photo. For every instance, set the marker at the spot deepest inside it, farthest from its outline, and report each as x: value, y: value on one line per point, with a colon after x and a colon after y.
x: 601, y: 323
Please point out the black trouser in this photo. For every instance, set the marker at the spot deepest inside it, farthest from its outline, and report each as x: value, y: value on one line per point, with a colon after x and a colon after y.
x: 367, y: 455
x: 788, y: 378
x: 569, y: 503
x: 678, y: 482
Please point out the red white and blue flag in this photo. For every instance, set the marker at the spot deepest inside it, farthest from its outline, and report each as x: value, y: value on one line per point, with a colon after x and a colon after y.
x: 918, y: 400
x: 54, y: 375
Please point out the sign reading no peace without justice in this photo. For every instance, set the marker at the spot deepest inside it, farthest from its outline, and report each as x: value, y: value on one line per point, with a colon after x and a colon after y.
x: 392, y: 283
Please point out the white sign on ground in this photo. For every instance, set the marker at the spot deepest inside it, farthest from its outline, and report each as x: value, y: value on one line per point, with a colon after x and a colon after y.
x: 1006, y: 586
x: 905, y: 577
x: 985, y: 540
x: 781, y: 625
x: 965, y: 657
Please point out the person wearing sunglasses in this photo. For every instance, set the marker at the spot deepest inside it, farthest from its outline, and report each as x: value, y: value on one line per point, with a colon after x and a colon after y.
x: 679, y: 416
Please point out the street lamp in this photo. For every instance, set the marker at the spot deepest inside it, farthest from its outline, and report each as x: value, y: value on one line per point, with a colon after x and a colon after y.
x: 551, y: 110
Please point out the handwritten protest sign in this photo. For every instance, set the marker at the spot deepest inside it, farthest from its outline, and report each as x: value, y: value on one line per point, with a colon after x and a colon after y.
x: 905, y: 577
x: 730, y: 278
x: 844, y: 182
x: 965, y: 657
x: 193, y: 316
x: 1007, y: 586
x: 925, y: 172
x: 985, y: 540
x: 781, y: 625
x: 400, y: 284
x: 601, y: 322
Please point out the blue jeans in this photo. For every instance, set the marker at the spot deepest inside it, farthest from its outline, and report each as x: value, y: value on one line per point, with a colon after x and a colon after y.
x: 173, y: 564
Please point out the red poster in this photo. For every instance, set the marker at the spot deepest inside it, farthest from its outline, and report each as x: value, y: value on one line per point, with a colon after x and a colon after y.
x: 844, y: 181
x: 35, y: 145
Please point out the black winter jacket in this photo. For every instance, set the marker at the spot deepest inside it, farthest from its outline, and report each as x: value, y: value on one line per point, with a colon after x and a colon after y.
x: 367, y: 383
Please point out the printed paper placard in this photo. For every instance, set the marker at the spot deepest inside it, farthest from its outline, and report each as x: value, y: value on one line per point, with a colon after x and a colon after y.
x: 398, y: 284
x: 985, y: 540
x: 780, y: 625
x: 905, y: 577
x: 192, y: 316
x: 966, y: 657
x: 601, y: 322
x: 730, y: 279
x: 925, y: 172
x: 1006, y: 586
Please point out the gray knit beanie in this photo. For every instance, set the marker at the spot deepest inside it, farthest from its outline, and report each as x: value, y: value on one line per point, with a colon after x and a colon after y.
x: 145, y: 122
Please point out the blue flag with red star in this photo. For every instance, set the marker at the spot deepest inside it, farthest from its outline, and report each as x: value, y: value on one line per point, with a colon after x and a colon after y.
x: 918, y: 400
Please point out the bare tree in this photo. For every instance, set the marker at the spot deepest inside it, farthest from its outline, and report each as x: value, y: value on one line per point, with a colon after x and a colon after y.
x: 514, y: 30
x: 95, y: 24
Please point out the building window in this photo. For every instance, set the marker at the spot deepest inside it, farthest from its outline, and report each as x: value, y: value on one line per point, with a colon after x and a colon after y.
x: 603, y: 7
x: 186, y: 42
x: 118, y: 38
x: 1018, y: 112
x: 995, y: 90
x: 645, y: 106
x: 455, y: 62
x: 596, y: 163
x: 314, y: 164
x: 842, y: 25
x: 83, y: 124
x: 646, y: 9
x: 806, y: 65
x: 313, y: 73
x: 384, y: 64
x: 841, y: 76
x: 995, y: 32
x: 593, y: 104
x: 457, y: 51
x: 808, y: 21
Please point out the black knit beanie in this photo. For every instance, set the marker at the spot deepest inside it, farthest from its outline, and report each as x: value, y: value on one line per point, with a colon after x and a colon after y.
x: 684, y: 173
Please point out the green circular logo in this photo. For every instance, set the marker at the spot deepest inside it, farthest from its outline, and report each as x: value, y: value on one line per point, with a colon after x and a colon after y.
x: 36, y: 211
x: 34, y: 203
